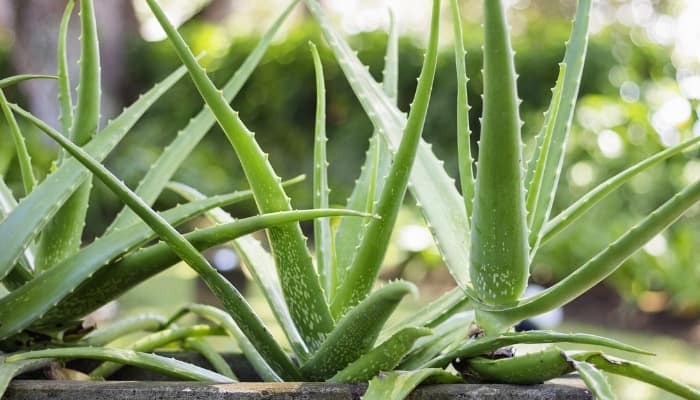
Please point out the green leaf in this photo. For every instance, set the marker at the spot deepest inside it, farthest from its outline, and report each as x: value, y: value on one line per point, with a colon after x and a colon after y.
x: 24, y: 271
x: 590, y: 199
x: 258, y: 362
x: 397, y: 385
x: 137, y: 323
x: 384, y: 357
x: 9, y: 370
x: 445, y: 335
x: 356, y: 332
x: 153, y: 341
x: 208, y: 351
x: 466, y: 163
x: 163, y: 365
x: 558, y: 121
x: 323, y: 239
x: 65, y: 100
x: 174, y: 155
x: 300, y: 283
x: 528, y: 369
x: 25, y: 160
x: 638, y: 372
x: 262, y: 268
x: 595, y: 381
x: 487, y: 344
x: 365, y: 266
x: 433, y: 189
x: 30, y: 217
x: 13, y: 80
x: 599, y: 267
x: 499, y: 265
x: 231, y: 298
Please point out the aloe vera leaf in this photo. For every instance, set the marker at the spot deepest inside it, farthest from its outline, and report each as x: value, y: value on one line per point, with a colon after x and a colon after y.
x: 499, y: 266
x: 257, y: 360
x: 300, y: 283
x: 488, y: 344
x: 9, y: 370
x: 30, y: 303
x: 13, y: 80
x: 113, y: 280
x: 208, y: 351
x: 356, y: 333
x: 397, y: 385
x: 595, y: 381
x: 231, y: 298
x: 163, y: 365
x: 65, y: 99
x: 30, y: 217
x: 384, y: 357
x: 590, y: 199
x: 431, y: 314
x: 599, y: 267
x: 534, y: 201
x: 25, y: 160
x: 559, y: 117
x: 62, y: 236
x: 377, y: 163
x: 126, y: 326
x: 365, y: 266
x: 528, y: 369
x: 638, y: 372
x: 172, y: 157
x: 151, y: 342
x: 24, y: 271
x: 262, y: 268
x: 466, y: 162
x: 323, y: 239
x: 434, y: 190
x: 453, y: 331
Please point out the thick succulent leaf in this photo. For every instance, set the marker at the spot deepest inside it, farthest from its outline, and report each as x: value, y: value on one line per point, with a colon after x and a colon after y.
x: 446, y: 335
x: 599, y: 267
x: 261, y: 266
x: 63, y: 235
x: 499, y: 266
x: 466, y: 162
x: 528, y: 369
x: 300, y: 283
x: 30, y: 217
x: 115, y: 279
x: 433, y: 189
x: 25, y: 161
x: 137, y: 323
x: 367, y: 261
x: 356, y: 332
x: 12, y: 80
x: 258, y: 362
x: 174, y: 154
x: 558, y: 120
x: 477, y: 347
x: 397, y: 385
x: 595, y: 381
x: 323, y: 239
x: 590, y: 199
x: 65, y: 100
x: 24, y: 271
x: 638, y: 372
x: 384, y: 357
x: 163, y: 365
x: 208, y: 351
x: 231, y: 298
x: 153, y: 341
x: 9, y: 370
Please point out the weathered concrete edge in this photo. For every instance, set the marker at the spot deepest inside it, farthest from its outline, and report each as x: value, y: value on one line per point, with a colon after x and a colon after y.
x: 564, y: 388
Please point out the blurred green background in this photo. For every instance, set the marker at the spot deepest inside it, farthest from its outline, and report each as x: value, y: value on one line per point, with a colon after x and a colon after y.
x: 640, y: 93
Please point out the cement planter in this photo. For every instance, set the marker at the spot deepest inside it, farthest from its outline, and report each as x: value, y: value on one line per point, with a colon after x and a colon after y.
x: 134, y: 384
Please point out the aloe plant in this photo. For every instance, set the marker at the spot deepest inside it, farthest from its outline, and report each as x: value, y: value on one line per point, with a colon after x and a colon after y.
x: 333, y: 318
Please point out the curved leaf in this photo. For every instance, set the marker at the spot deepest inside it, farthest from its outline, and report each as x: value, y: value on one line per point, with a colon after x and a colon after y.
x: 397, y: 385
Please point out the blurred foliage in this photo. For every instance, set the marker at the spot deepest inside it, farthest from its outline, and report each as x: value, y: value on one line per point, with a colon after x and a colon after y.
x: 625, y: 83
